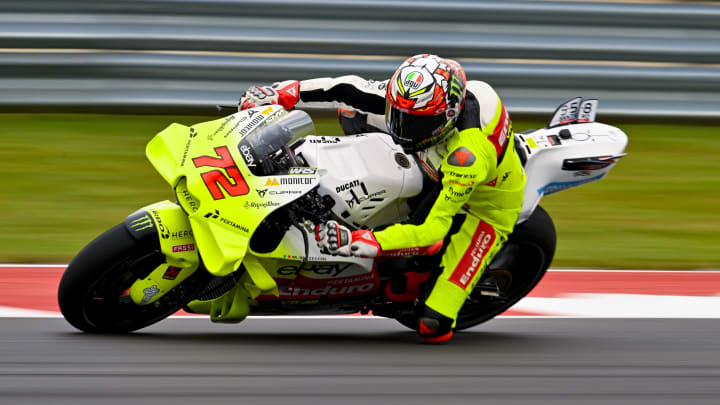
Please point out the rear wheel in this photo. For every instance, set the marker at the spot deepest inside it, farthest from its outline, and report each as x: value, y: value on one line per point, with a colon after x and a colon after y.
x: 513, y: 273
x: 93, y: 293
x: 516, y: 270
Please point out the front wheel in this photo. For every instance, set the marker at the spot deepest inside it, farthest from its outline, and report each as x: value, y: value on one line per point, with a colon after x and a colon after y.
x: 93, y: 293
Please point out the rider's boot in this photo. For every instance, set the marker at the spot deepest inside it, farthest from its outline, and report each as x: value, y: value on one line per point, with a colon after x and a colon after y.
x: 435, y: 327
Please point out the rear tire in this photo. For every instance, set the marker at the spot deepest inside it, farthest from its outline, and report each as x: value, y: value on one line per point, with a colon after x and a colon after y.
x: 526, y: 256
x: 93, y: 293
x: 520, y: 264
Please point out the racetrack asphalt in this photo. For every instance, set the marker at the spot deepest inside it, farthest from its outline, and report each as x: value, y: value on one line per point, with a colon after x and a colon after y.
x: 363, y: 360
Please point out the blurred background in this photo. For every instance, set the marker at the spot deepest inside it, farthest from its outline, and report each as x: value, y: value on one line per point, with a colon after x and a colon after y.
x: 85, y: 84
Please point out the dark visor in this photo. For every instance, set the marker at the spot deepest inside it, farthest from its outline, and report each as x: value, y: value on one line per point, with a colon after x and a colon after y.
x: 412, y: 129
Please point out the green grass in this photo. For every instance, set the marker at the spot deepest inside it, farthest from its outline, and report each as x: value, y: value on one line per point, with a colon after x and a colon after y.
x: 66, y: 178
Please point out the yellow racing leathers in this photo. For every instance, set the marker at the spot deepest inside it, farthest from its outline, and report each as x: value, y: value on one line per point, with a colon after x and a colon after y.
x: 482, y: 189
x: 481, y: 176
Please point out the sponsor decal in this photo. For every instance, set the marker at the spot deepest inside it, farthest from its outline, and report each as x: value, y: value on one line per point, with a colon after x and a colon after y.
x: 142, y: 223
x: 324, y: 139
x: 261, y: 193
x: 560, y: 186
x: 254, y: 122
x: 481, y: 242
x: 216, y: 215
x: 266, y: 204
x: 413, y: 80
x: 189, y: 200
x: 499, y: 135
x: 222, y: 126
x: 582, y: 173
x: 184, y: 234
x: 461, y: 157
x: 309, y: 258
x: 185, y: 151
x: 492, y: 183
x: 460, y: 175
x: 171, y: 273
x: 330, y: 291
x: 458, y: 194
x: 355, y: 199
x: 505, y: 176
x: 414, y: 251
x: 347, y: 186
x: 285, y: 192
x: 273, y: 181
x: 183, y: 248
x: 247, y: 155
x: 468, y: 183
x: 302, y: 170
x: 150, y: 292
x: 164, y: 230
x: 300, y: 180
x: 332, y: 270
x: 305, y: 287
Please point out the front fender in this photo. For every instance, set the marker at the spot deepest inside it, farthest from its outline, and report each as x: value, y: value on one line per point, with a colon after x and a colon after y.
x: 165, y: 225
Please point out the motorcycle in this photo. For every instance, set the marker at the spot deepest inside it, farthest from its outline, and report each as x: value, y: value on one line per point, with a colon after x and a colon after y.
x: 238, y: 240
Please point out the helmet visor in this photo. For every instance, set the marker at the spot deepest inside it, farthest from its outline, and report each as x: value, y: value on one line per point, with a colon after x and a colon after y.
x: 411, y: 129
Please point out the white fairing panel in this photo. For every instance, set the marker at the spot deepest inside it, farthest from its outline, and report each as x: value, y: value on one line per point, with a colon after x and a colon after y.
x: 558, y: 158
x: 368, y: 176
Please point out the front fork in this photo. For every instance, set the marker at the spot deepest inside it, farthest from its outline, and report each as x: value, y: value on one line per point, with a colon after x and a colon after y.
x: 166, y: 223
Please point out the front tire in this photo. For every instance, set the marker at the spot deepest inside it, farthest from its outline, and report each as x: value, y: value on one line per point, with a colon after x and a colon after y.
x: 93, y: 293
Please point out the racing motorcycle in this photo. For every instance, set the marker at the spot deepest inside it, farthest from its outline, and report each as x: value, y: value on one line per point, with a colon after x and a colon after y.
x: 250, y: 187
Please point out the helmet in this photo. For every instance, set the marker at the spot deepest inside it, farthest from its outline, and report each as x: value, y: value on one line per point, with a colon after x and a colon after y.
x: 423, y: 101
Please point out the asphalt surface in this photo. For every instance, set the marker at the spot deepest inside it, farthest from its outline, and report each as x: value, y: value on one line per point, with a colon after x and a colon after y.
x: 363, y: 361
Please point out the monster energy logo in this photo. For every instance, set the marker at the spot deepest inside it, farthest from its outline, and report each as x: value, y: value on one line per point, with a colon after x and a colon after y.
x: 456, y: 88
x: 142, y: 223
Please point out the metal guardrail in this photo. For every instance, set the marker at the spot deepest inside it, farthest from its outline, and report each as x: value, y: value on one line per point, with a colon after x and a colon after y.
x: 657, y: 59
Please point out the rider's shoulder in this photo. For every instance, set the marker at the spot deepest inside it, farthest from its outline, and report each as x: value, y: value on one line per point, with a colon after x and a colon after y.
x: 483, y: 92
x: 466, y: 148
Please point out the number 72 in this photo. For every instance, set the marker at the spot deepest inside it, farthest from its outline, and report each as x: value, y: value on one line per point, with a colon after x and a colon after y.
x: 216, y: 181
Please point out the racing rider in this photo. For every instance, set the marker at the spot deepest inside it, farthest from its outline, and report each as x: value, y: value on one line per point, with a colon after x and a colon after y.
x: 462, y: 135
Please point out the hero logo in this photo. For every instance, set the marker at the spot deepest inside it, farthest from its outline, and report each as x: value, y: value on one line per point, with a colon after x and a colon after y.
x: 347, y: 186
x: 247, y: 155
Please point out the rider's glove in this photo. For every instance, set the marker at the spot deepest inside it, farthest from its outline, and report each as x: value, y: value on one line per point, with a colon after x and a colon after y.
x: 337, y: 239
x: 284, y: 93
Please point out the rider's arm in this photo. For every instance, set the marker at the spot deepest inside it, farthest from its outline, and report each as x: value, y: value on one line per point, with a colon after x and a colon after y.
x: 347, y: 92
x: 462, y: 170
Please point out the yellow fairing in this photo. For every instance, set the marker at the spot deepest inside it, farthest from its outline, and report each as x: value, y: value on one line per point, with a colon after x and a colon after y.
x: 178, y: 246
x: 224, y: 201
